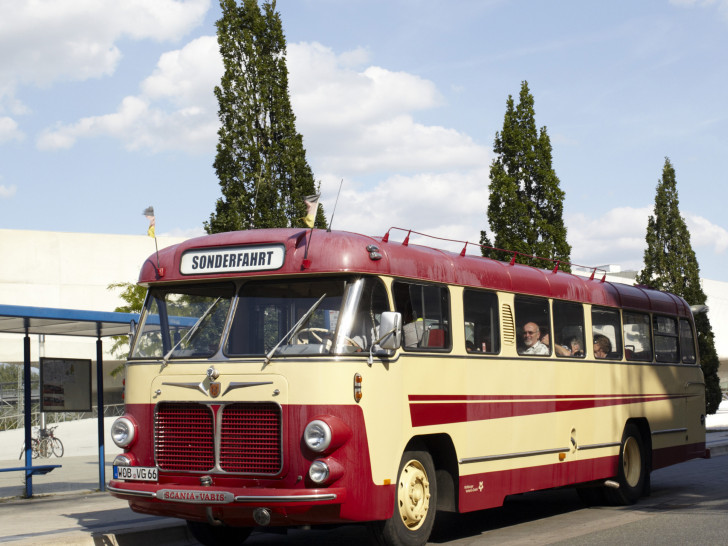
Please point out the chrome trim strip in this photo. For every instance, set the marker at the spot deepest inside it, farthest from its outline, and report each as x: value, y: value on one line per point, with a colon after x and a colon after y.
x: 286, y: 498
x: 146, y: 494
x: 669, y: 431
x: 512, y: 455
x: 599, y: 446
x: 196, y: 386
x: 241, y: 385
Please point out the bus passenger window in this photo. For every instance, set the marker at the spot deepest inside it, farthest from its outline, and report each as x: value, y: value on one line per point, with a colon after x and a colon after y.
x: 687, y: 343
x: 666, y: 347
x: 637, y: 344
x: 569, y: 329
x: 606, y: 325
x: 482, y: 332
x: 425, y: 315
x: 532, y: 318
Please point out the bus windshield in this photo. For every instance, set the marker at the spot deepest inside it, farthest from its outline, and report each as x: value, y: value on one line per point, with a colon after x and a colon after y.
x: 183, y: 322
x: 343, y: 322
x: 189, y: 321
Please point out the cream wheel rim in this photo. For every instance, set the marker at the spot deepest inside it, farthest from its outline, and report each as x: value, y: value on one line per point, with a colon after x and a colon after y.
x: 413, y: 495
x: 631, y: 462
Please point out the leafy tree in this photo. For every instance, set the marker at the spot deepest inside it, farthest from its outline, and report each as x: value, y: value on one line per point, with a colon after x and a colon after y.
x: 133, y: 295
x: 526, y: 202
x: 260, y: 163
x: 670, y: 265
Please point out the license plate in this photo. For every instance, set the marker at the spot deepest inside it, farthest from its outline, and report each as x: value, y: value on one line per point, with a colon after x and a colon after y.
x: 141, y: 473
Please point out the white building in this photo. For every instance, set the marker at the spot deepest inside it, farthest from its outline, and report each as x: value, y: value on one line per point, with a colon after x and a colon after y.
x: 73, y: 271
x: 68, y: 271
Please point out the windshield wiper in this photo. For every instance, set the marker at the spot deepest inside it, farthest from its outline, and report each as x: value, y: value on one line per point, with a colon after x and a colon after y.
x: 190, y: 332
x: 293, y: 331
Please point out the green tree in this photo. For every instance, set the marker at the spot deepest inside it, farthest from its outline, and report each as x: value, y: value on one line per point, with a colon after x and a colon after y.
x: 526, y: 202
x: 261, y: 162
x: 670, y: 265
x: 133, y: 295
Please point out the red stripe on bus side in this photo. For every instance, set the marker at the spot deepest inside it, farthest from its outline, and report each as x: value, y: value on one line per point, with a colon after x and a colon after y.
x: 451, y: 397
x: 489, y: 489
x: 425, y: 414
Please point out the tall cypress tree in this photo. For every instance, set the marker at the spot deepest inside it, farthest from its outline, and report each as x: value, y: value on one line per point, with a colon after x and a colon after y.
x: 526, y: 202
x: 670, y: 265
x: 261, y: 163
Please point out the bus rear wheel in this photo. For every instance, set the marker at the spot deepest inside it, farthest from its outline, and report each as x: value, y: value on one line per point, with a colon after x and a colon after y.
x: 632, y: 470
x: 211, y: 535
x: 415, y: 503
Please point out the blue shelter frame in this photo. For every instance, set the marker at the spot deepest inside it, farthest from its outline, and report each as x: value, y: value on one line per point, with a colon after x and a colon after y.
x: 61, y: 322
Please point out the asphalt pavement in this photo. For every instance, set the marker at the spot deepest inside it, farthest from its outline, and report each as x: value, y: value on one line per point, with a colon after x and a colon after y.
x: 68, y: 508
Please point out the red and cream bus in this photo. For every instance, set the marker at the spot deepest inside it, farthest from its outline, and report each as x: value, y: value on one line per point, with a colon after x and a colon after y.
x: 291, y: 377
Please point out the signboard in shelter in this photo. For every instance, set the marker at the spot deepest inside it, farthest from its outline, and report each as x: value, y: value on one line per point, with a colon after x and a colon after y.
x: 65, y: 384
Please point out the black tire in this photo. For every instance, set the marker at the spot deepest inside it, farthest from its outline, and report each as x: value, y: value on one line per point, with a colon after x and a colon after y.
x: 632, y: 469
x: 415, y: 503
x: 57, y: 447
x: 211, y: 535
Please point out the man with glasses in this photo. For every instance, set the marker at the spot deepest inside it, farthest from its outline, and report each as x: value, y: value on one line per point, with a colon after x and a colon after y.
x: 532, y: 341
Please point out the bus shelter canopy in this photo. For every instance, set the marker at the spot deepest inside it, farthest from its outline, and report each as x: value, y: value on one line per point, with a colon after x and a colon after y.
x: 15, y: 319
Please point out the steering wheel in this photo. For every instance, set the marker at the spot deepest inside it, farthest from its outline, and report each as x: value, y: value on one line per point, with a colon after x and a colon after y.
x: 318, y: 334
x: 315, y: 333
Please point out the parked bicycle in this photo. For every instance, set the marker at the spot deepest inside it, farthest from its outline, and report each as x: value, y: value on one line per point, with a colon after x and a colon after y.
x: 44, y: 444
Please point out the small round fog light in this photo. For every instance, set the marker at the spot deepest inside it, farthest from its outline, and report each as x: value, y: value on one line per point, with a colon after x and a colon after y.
x: 319, y: 471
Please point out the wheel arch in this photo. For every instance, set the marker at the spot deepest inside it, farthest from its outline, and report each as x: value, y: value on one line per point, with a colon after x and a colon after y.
x: 442, y: 450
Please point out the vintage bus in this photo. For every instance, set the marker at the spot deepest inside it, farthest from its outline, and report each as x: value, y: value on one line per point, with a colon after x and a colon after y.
x: 287, y: 377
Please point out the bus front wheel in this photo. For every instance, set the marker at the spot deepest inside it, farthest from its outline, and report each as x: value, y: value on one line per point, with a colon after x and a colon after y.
x: 632, y: 470
x: 415, y: 503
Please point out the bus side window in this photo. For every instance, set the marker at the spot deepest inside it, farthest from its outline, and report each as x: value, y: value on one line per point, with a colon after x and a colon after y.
x: 606, y: 324
x: 637, y: 337
x: 666, y: 346
x: 569, y: 329
x: 687, y: 343
x: 482, y: 331
x: 425, y: 315
x: 532, y: 318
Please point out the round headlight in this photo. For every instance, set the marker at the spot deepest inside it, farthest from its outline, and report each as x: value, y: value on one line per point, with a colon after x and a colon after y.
x: 122, y: 432
x: 319, y: 471
x: 317, y: 436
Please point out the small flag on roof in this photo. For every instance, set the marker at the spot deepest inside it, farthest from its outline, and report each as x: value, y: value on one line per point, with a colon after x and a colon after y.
x: 311, y: 209
x: 149, y: 213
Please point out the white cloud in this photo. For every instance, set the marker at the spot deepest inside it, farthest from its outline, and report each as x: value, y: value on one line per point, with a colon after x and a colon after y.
x: 50, y: 40
x: 450, y: 205
x: 353, y: 122
x: 706, y: 234
x: 175, y: 111
x: 360, y: 121
x: 6, y: 192
x: 9, y: 130
x: 616, y: 237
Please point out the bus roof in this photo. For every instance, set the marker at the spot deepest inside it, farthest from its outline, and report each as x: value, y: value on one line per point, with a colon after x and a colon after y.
x: 316, y: 252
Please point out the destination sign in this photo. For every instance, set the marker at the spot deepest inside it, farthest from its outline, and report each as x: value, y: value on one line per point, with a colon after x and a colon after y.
x: 235, y: 259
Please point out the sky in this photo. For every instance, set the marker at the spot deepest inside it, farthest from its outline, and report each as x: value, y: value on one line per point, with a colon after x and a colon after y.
x: 107, y: 107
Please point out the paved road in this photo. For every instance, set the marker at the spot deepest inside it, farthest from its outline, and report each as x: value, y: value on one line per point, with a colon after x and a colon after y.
x: 689, y: 504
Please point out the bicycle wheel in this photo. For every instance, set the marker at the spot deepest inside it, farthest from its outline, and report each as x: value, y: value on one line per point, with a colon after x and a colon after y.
x: 57, y: 447
x: 35, y: 447
x: 45, y: 448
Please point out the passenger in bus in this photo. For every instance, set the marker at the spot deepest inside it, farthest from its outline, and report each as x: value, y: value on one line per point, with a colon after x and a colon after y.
x: 602, y: 346
x: 572, y: 348
x: 532, y: 341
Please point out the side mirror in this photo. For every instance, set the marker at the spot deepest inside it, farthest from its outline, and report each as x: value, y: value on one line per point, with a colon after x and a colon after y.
x: 390, y: 331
